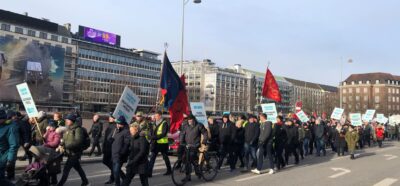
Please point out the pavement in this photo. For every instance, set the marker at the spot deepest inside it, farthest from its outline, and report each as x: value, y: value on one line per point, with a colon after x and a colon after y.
x: 373, y: 167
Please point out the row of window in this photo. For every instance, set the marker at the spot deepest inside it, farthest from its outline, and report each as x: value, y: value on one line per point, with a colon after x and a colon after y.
x: 389, y: 82
x: 131, y: 62
x: 33, y: 33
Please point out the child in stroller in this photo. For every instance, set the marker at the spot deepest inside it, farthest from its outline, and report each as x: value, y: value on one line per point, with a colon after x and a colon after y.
x: 47, y: 163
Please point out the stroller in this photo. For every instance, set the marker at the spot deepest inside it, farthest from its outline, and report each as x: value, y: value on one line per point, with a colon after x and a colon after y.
x: 47, y: 162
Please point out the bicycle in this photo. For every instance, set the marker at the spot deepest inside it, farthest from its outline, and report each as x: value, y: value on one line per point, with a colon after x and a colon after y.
x: 205, y: 168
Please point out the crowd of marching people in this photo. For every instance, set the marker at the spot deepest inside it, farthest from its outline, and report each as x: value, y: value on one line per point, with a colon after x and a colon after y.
x: 241, y: 142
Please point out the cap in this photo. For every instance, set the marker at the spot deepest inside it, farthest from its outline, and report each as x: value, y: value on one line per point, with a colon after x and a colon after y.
x: 52, y: 123
x: 121, y: 120
x: 251, y: 116
x: 139, y: 114
x: 71, y: 117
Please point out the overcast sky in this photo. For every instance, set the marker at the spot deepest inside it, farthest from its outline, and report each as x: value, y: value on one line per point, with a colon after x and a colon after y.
x: 303, y: 39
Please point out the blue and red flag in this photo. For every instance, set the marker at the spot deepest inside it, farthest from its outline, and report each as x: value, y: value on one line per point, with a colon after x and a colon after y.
x: 174, y: 96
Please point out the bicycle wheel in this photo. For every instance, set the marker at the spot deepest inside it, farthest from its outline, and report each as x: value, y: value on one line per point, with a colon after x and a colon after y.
x: 208, y: 168
x: 179, y: 173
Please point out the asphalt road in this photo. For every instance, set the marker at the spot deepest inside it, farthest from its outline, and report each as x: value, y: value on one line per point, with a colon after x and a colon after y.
x: 373, y: 167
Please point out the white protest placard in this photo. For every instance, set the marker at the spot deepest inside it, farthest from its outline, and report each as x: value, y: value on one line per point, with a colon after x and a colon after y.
x: 337, y: 113
x: 385, y: 120
x: 199, y: 112
x: 302, y: 116
x: 355, y: 119
x: 127, y: 104
x: 27, y: 100
x: 380, y: 118
x: 270, y: 110
x: 369, y: 115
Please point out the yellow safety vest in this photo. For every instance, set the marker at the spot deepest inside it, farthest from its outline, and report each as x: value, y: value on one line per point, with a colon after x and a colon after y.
x: 245, y: 123
x: 163, y: 140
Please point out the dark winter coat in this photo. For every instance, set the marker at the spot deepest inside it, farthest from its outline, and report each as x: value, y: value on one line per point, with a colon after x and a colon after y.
x: 214, y: 131
x: 9, y: 144
x: 226, y: 133
x: 319, y: 131
x: 239, y: 138
x: 138, y: 153
x: 73, y: 139
x: 307, y: 133
x: 96, y: 130
x: 25, y: 133
x: 251, y: 133
x: 191, y: 134
x: 280, y: 136
x: 120, y: 145
x: 108, y: 138
x: 292, y: 136
x: 265, y: 133
x: 339, y: 137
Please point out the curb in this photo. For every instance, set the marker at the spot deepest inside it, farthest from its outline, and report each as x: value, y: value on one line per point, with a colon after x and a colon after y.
x: 84, y: 160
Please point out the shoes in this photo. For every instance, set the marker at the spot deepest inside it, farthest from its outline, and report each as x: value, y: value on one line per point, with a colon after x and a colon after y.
x: 167, y: 173
x: 109, y: 182
x: 186, y: 179
x: 271, y: 171
x: 256, y: 171
x: 85, y: 184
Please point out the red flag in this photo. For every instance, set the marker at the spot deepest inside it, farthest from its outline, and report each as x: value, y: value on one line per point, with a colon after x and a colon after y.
x: 178, y: 108
x: 270, y: 88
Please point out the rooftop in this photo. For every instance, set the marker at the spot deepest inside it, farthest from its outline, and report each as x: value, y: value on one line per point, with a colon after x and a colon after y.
x: 372, y: 77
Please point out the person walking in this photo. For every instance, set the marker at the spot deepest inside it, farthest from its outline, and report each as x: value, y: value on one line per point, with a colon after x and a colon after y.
x: 138, y: 153
x: 251, y: 134
x: 8, y: 146
x: 107, y: 146
x: 265, y: 142
x: 352, y: 139
x: 96, y: 130
x: 292, y: 141
x: 301, y: 139
x: 226, y: 137
x: 238, y: 143
x: 380, y: 134
x: 144, y: 126
x: 279, y: 139
x: 25, y: 136
x: 367, y: 133
x: 214, y: 135
x: 40, y: 128
x: 340, y: 141
x: 307, y: 137
x: 52, y: 139
x: 120, y: 149
x: 159, y: 140
x: 73, y: 141
x: 319, y: 131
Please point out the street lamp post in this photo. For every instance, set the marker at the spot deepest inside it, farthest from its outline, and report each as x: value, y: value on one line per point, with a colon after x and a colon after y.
x: 184, y: 2
x: 341, y: 80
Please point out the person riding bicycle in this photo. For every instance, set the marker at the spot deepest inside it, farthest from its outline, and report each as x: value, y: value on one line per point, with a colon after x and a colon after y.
x: 191, y: 138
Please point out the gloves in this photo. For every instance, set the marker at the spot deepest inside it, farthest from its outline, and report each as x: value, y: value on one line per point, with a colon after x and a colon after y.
x: 60, y: 149
x: 26, y: 145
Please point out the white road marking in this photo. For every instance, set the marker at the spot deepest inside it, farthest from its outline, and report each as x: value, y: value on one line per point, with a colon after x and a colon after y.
x: 386, y: 182
x: 343, y: 172
x: 390, y: 157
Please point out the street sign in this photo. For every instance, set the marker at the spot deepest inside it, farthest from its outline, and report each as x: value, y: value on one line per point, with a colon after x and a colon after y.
x: 127, y: 104
x: 302, y: 116
x: 337, y: 113
x: 27, y: 100
x: 199, y: 112
x: 270, y: 110
x: 355, y: 119
x: 369, y: 115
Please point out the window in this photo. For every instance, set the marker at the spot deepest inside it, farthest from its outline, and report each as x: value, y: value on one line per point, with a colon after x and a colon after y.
x: 365, y: 90
x: 377, y: 81
x: 390, y: 90
x: 368, y: 82
x: 350, y: 90
x: 377, y: 89
x: 43, y: 35
x: 54, y: 37
x: 357, y: 90
x: 360, y: 82
x: 19, y: 30
x: 5, y: 27
x: 64, y: 40
x: 69, y: 50
x: 352, y: 82
x: 397, y: 91
x: 357, y: 98
x: 31, y: 33
x: 376, y: 99
x: 365, y: 98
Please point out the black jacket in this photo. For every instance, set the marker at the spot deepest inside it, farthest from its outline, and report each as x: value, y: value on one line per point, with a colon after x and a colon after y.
x: 339, y: 136
x: 138, y: 153
x: 319, y: 131
x: 214, y: 131
x: 292, y: 135
x: 191, y: 134
x: 265, y: 133
x: 307, y: 133
x: 24, y: 130
x: 120, y: 145
x: 280, y: 136
x: 108, y: 138
x: 96, y: 129
x: 239, y: 138
x: 251, y: 133
x: 226, y: 133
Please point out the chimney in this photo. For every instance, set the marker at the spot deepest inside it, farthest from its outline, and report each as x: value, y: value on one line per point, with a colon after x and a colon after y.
x: 26, y: 13
x: 68, y: 26
x: 238, y: 68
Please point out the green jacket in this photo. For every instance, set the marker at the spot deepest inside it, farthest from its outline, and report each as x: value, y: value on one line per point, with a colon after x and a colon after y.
x: 351, y: 139
x: 73, y: 139
x: 302, y: 133
x: 9, y: 137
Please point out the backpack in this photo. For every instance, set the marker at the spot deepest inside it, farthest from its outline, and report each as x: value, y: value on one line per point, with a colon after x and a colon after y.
x: 86, y: 139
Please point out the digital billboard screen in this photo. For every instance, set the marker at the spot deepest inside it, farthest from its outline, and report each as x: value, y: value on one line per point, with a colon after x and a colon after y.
x: 98, y: 36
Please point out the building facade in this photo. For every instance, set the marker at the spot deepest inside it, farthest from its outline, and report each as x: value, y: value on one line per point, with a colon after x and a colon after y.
x: 379, y: 91
x: 40, y: 53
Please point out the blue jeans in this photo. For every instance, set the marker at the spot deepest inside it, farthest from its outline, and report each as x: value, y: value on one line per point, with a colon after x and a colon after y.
x: 118, y: 174
x: 320, y: 146
x: 249, y: 151
x: 260, y: 156
x: 306, y: 144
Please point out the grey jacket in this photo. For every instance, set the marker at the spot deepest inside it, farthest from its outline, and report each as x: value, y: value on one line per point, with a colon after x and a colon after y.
x: 265, y: 133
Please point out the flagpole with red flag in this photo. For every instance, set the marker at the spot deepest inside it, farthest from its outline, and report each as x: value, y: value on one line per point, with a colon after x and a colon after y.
x: 270, y: 88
